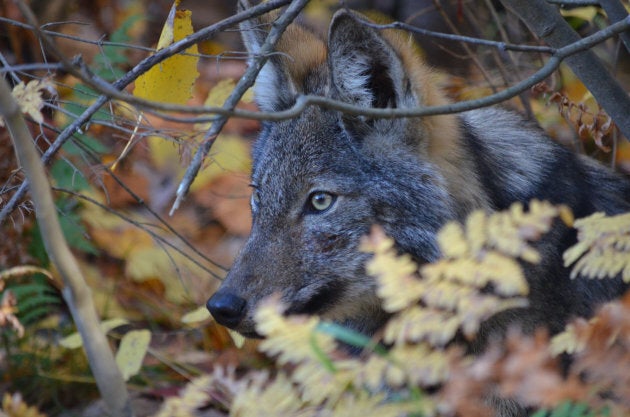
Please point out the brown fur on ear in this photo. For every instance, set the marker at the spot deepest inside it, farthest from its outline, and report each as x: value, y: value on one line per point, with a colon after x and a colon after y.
x: 303, y: 51
x: 298, y: 50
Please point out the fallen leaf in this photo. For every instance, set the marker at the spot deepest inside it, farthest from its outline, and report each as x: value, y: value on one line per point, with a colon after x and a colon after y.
x: 133, y: 347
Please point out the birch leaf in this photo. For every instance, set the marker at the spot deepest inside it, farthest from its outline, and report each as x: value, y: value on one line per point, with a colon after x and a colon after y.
x: 74, y: 340
x: 171, y: 81
x: 133, y: 348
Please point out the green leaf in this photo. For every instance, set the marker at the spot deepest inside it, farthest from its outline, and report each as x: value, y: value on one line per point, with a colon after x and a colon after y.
x: 68, y: 177
x: 351, y: 337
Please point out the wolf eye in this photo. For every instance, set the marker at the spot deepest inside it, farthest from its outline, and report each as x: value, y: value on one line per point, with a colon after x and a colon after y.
x: 320, y: 201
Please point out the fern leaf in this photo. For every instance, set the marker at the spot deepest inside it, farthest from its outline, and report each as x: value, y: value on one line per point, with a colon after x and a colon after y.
x: 603, y: 247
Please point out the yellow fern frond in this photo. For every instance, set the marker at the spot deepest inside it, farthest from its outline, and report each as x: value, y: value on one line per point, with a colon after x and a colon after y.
x: 421, y: 363
x: 265, y: 397
x: 378, y: 370
x: 567, y: 342
x: 398, y: 287
x: 365, y: 405
x: 319, y: 384
x: 419, y: 323
x: 293, y: 339
x: 603, y: 247
x: 452, y: 294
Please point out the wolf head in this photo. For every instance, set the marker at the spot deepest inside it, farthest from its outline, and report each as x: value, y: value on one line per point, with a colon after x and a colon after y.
x: 322, y: 179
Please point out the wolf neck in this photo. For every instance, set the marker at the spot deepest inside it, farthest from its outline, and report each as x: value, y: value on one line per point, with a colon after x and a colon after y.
x: 447, y: 151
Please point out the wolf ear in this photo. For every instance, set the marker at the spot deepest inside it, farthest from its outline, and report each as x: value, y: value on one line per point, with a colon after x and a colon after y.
x: 272, y: 90
x: 298, y: 53
x: 365, y: 69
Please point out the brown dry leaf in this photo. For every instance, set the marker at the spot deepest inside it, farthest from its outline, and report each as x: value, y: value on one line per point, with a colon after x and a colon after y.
x: 134, y: 180
x: 227, y: 197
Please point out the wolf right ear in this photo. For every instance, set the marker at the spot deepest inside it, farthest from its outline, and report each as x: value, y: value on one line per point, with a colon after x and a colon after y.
x: 365, y: 68
x: 283, y: 76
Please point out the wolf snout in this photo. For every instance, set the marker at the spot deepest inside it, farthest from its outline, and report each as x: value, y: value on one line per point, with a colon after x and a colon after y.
x: 227, y: 309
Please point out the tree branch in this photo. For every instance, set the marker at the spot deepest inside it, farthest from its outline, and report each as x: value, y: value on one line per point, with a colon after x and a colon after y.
x: 307, y: 100
x: 616, y: 12
x: 246, y: 81
x: 76, y: 293
x: 549, y: 25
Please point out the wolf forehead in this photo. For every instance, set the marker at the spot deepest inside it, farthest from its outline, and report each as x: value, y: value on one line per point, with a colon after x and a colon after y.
x: 307, y: 146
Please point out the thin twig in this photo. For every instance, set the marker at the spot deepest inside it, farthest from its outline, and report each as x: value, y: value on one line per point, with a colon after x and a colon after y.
x: 144, y: 227
x: 503, y: 46
x: 246, y: 81
x: 304, y: 101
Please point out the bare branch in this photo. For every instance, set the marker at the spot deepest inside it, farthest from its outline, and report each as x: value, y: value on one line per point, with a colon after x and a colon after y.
x: 616, y: 12
x: 76, y: 293
x: 307, y: 100
x: 246, y: 81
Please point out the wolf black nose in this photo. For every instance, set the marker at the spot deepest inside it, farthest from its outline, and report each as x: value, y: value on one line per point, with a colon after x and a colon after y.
x: 226, y: 308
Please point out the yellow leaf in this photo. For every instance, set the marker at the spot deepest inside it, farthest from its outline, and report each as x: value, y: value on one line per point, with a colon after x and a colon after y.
x: 230, y: 153
x: 197, y: 315
x: 133, y: 347
x: 167, y: 36
x: 220, y: 92
x: 75, y: 341
x: 29, y: 97
x: 171, y: 81
x: 584, y: 13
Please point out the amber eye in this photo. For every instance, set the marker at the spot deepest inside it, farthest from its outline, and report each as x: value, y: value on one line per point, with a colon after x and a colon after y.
x: 321, y: 201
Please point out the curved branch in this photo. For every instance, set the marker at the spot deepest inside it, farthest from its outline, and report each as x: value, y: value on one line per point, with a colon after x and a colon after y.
x: 552, y: 64
x: 76, y: 292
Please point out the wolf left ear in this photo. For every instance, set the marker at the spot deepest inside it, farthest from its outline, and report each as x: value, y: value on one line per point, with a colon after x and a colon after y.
x: 273, y: 89
x: 365, y: 69
x: 289, y: 71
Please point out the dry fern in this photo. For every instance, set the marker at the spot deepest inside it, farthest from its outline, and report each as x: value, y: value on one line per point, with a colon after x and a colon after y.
x: 217, y: 389
x: 603, y: 248
x: 452, y: 292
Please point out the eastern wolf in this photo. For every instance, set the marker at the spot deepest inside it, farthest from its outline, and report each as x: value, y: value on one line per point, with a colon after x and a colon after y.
x: 322, y: 179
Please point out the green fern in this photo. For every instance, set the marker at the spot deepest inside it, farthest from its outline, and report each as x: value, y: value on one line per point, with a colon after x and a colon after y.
x: 35, y: 298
